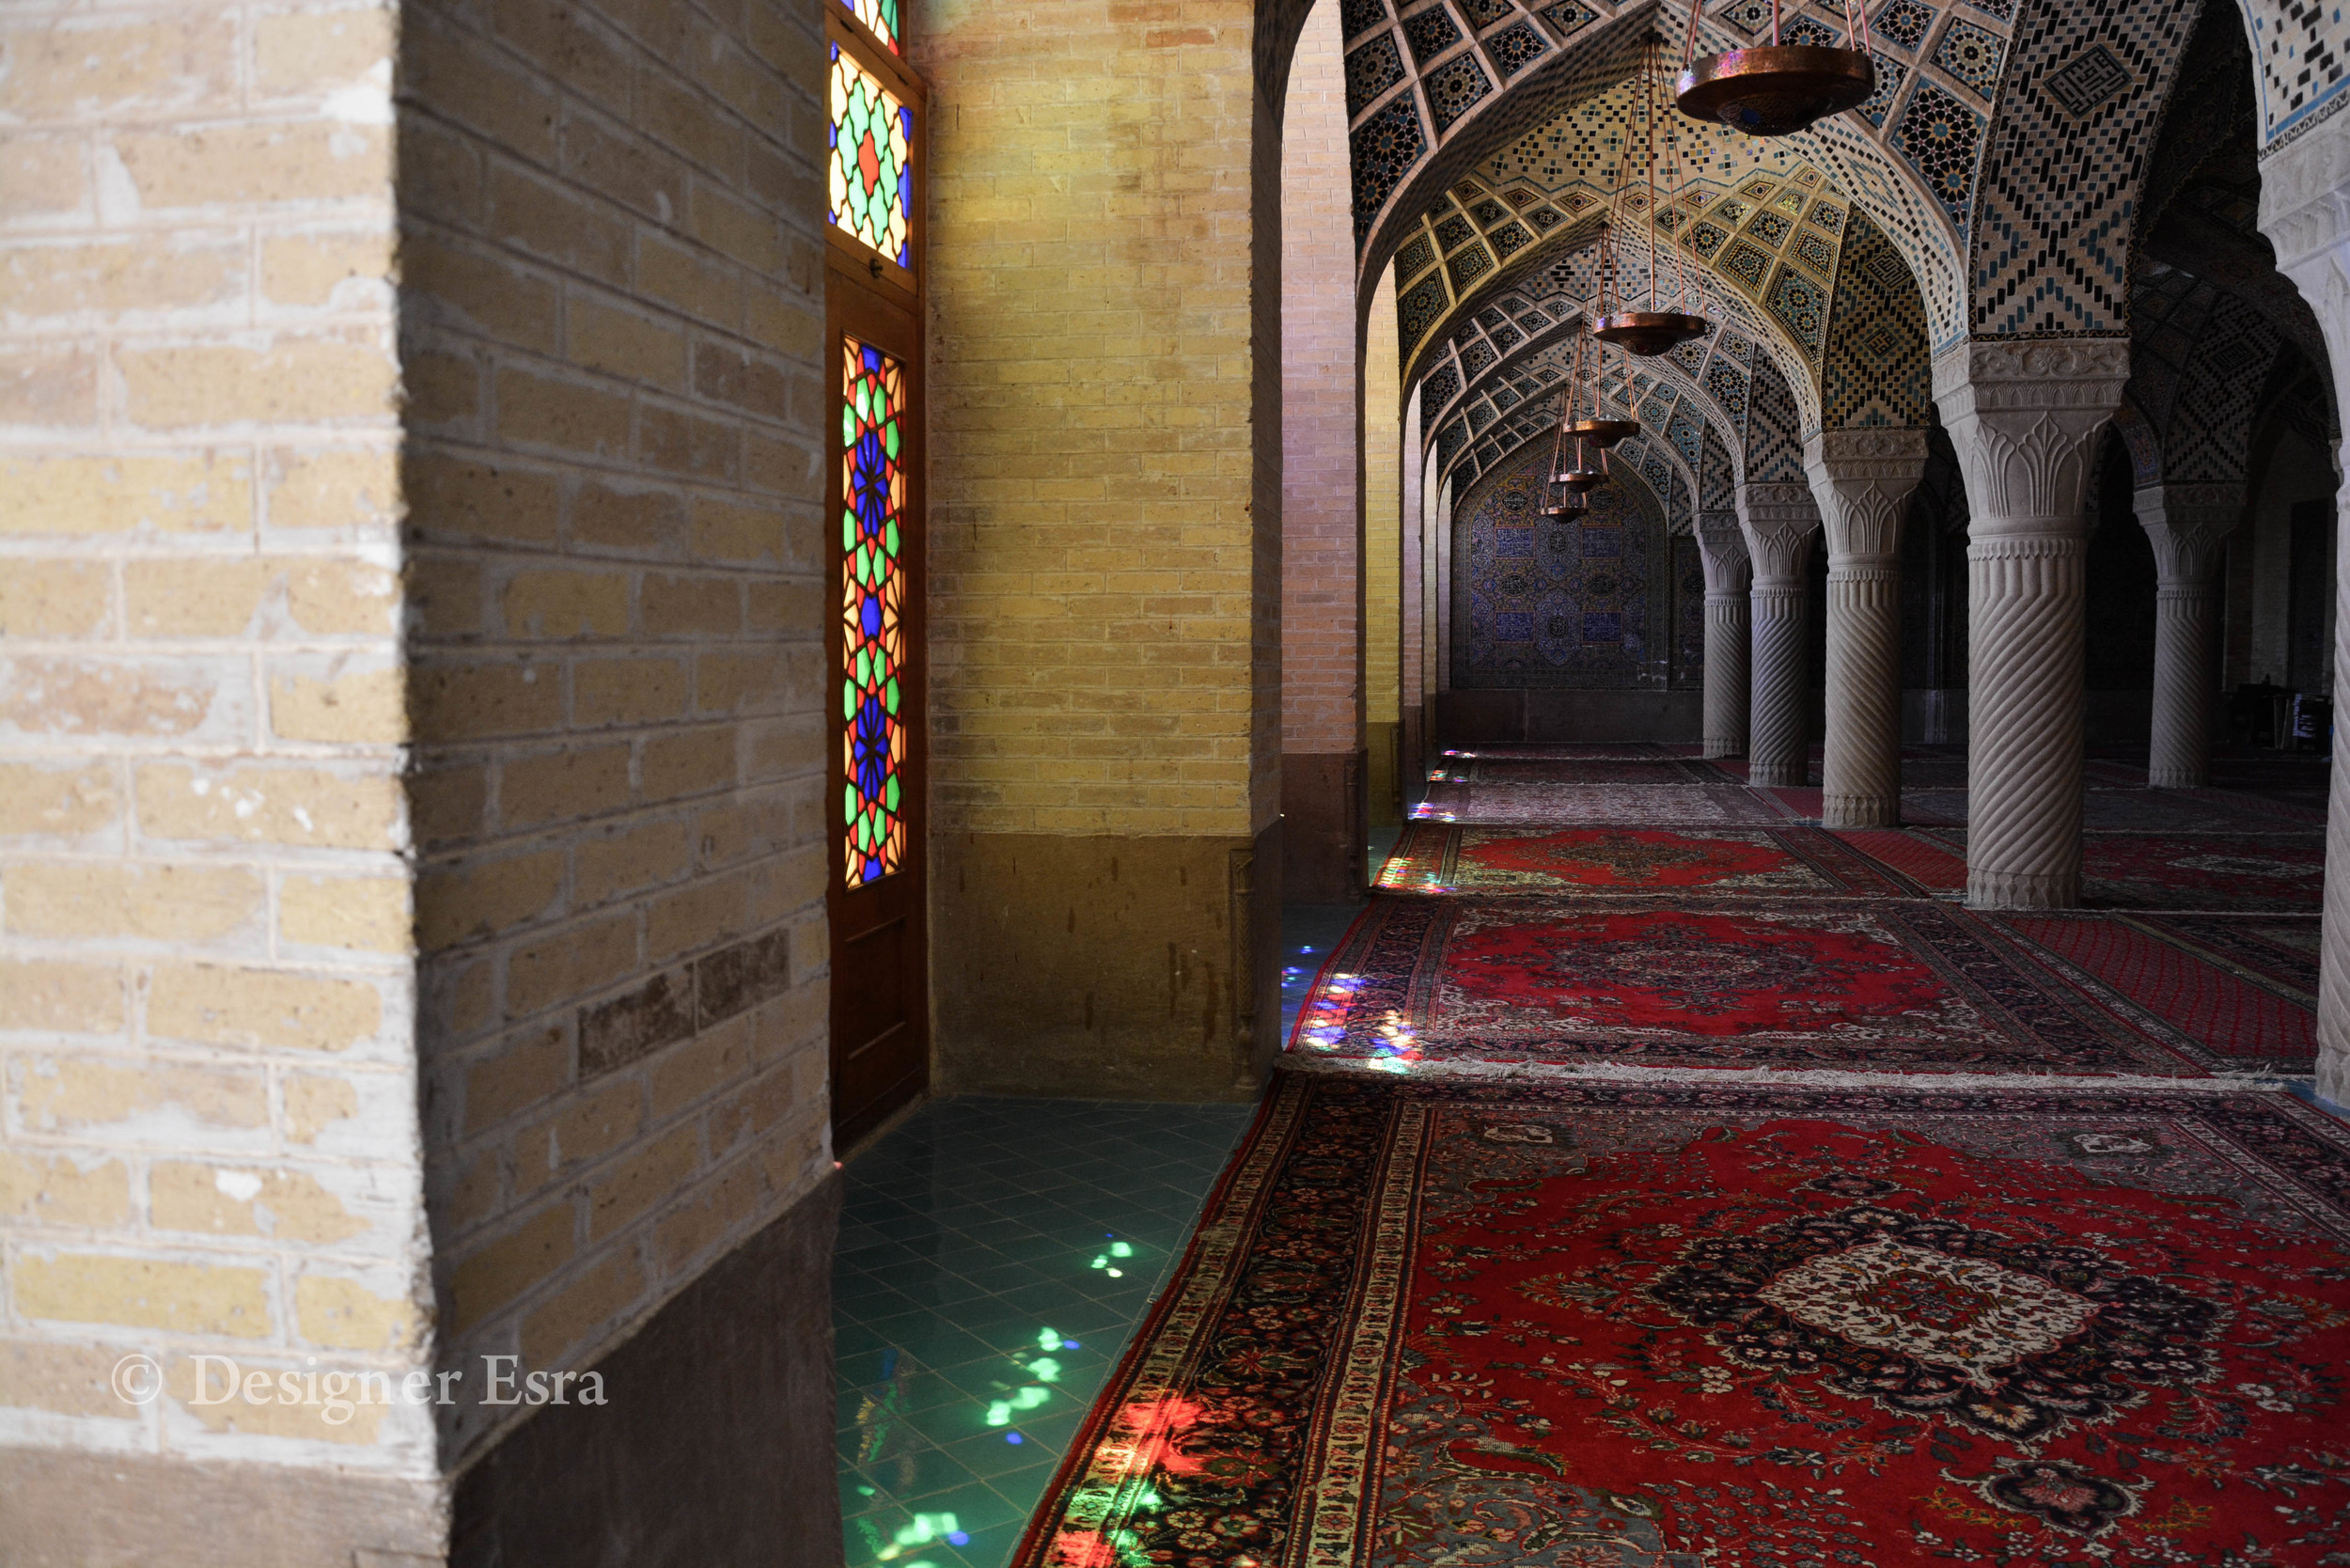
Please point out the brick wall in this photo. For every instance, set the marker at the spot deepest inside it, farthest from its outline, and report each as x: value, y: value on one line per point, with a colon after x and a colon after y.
x: 209, y: 1144
x: 1090, y: 537
x: 1322, y: 476
x: 612, y: 243
x: 1383, y: 509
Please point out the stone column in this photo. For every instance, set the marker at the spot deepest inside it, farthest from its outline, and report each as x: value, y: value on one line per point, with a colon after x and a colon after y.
x: 1722, y: 549
x: 2025, y: 416
x: 2188, y: 525
x: 1862, y: 479
x: 2305, y: 211
x: 1780, y: 521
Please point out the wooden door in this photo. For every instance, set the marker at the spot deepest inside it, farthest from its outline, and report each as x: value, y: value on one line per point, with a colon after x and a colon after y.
x: 879, y: 745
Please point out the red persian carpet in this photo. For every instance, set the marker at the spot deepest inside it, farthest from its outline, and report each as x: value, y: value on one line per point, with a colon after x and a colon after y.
x: 1599, y: 750
x: 1602, y: 770
x: 1592, y: 1326
x: 1584, y: 803
x: 1877, y: 985
x: 2237, y: 1010
x: 1927, y: 864
x: 2246, y: 872
x: 1434, y: 857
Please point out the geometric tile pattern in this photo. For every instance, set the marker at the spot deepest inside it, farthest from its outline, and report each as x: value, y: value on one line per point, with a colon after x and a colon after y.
x: 2051, y: 230
x: 2303, y: 49
x: 1774, y: 439
x: 1878, y: 371
x: 2204, y: 378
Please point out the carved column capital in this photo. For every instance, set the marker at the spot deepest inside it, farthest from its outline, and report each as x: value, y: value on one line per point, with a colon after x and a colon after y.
x: 1862, y: 479
x: 1779, y: 520
x: 2305, y: 195
x: 2025, y: 416
x: 1722, y: 553
x: 2188, y: 525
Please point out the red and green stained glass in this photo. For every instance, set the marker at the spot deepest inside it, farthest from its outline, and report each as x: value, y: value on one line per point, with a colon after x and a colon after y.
x: 872, y: 608
x: 881, y: 16
x: 872, y: 161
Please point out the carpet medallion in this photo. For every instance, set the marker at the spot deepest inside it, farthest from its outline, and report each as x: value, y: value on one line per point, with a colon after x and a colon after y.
x: 1435, y: 857
x: 1596, y: 1327
x: 1562, y: 803
x: 1874, y: 985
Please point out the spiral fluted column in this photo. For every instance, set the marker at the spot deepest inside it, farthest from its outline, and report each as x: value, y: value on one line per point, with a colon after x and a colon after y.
x: 1722, y: 551
x: 1862, y: 479
x: 2025, y: 417
x: 1779, y: 520
x: 2305, y: 212
x: 2188, y: 525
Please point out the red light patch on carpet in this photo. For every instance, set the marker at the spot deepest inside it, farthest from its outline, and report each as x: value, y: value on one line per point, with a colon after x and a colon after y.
x: 1596, y: 1327
x: 1850, y: 985
x: 2231, y: 1009
x: 1434, y: 857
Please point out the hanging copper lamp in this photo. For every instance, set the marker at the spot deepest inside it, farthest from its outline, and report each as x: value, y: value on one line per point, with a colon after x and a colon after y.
x: 1568, y: 505
x: 1653, y: 331
x: 1775, y: 89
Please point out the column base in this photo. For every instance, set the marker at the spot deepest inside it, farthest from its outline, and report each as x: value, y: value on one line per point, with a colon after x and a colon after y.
x: 2177, y: 778
x: 1861, y: 811
x: 2333, y: 1077
x: 1990, y: 889
x: 1778, y: 775
x: 1725, y: 747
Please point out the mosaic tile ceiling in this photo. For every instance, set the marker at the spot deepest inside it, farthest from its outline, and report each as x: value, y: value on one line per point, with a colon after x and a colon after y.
x: 2056, y: 111
x: 1757, y: 226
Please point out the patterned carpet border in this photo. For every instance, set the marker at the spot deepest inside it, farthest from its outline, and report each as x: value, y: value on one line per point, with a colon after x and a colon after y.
x: 1421, y: 1322
x: 2234, y: 1012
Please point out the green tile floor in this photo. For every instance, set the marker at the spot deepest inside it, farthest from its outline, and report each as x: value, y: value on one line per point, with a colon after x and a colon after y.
x: 995, y: 1256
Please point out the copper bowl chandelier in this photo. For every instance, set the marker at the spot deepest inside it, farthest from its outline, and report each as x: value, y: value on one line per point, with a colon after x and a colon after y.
x: 1602, y: 433
x: 1776, y: 89
x: 1577, y: 479
x: 1569, y: 505
x: 1649, y: 333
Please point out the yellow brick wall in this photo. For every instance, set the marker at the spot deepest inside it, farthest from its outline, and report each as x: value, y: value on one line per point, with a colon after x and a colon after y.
x: 612, y: 248
x: 1093, y: 559
x: 1383, y: 511
x: 1322, y: 474
x: 206, y: 996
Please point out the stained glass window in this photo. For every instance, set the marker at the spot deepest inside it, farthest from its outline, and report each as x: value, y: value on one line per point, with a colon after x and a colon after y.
x: 881, y: 16
x: 872, y: 167
x: 872, y: 580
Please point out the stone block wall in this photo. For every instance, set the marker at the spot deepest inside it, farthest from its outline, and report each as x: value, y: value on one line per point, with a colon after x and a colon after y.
x: 1324, y: 750
x: 612, y: 249
x: 207, y: 1045
x: 1099, y: 549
